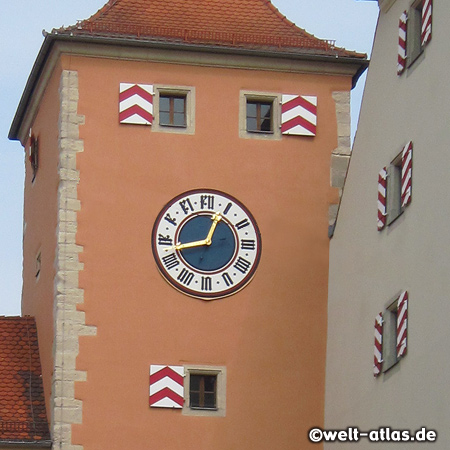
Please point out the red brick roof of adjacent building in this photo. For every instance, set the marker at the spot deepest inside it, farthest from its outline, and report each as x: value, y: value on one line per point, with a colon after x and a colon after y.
x: 249, y: 24
x: 23, y: 417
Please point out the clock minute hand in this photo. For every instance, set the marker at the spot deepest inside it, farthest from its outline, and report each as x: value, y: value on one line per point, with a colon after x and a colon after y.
x: 216, y: 218
x: 180, y: 246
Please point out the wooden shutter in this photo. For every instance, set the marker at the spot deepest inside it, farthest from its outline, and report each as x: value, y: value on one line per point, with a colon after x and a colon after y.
x: 402, y: 324
x: 298, y: 115
x: 136, y: 104
x: 166, y: 386
x: 406, y: 174
x: 378, y: 348
x: 382, y: 198
x: 402, y: 43
x: 426, y: 21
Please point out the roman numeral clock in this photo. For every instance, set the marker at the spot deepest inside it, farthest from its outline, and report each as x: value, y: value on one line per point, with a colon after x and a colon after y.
x: 206, y: 244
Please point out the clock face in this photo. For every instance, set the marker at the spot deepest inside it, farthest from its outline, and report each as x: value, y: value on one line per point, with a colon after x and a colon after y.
x: 206, y: 244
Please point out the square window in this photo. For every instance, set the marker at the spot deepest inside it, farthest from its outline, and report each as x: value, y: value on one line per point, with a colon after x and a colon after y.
x: 174, y: 109
x: 202, y: 391
x: 205, y: 391
x: 259, y: 115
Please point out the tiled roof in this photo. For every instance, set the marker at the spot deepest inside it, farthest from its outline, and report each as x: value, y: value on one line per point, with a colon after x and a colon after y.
x: 22, y: 406
x: 249, y: 24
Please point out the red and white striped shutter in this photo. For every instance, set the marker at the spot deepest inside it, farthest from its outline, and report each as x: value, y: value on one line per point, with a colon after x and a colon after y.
x: 402, y: 324
x: 136, y: 104
x: 406, y: 174
x: 426, y: 21
x: 378, y: 348
x: 298, y: 115
x: 402, y: 43
x: 382, y: 176
x: 166, y: 386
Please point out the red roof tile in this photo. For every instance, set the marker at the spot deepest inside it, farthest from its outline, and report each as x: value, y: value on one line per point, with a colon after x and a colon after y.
x: 251, y: 24
x: 22, y: 406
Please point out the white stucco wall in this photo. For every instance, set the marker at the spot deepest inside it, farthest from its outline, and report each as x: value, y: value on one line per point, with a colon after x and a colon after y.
x: 368, y: 268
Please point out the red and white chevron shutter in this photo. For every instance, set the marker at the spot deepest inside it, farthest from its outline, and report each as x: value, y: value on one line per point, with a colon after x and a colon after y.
x: 378, y: 352
x: 382, y: 198
x: 402, y: 324
x: 402, y: 43
x: 298, y: 115
x: 166, y: 386
x: 136, y: 104
x: 426, y: 21
x: 406, y: 174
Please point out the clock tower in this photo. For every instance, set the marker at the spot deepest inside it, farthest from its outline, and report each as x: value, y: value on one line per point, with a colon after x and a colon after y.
x: 177, y: 207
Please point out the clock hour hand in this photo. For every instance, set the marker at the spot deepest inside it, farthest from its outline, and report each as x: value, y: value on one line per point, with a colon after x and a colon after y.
x: 180, y: 246
x: 216, y: 218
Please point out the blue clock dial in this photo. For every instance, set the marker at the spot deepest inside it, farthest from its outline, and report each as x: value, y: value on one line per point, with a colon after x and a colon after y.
x: 206, y: 244
x: 211, y: 257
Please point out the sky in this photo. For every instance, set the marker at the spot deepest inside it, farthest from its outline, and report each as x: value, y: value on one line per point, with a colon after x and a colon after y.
x: 350, y: 22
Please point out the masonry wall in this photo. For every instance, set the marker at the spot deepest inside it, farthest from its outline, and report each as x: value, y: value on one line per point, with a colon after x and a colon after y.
x: 40, y: 221
x: 369, y: 268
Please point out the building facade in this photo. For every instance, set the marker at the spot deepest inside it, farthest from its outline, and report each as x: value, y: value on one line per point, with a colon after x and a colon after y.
x: 387, y: 331
x: 177, y: 206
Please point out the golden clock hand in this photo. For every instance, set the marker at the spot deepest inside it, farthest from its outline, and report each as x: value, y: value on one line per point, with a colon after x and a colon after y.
x: 216, y: 218
x: 180, y: 246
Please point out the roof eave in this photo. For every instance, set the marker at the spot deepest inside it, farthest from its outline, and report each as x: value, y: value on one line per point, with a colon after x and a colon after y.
x: 50, y: 39
x: 45, y: 443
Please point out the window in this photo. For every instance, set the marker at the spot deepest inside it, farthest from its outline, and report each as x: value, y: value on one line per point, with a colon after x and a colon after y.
x: 394, y: 331
x: 395, y: 187
x: 390, y: 336
x: 259, y: 115
x: 174, y: 109
x: 418, y: 31
x: 34, y: 156
x: 38, y: 266
x: 202, y: 391
x: 205, y: 391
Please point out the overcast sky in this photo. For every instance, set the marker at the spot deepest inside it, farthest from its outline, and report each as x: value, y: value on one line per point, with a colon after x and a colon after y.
x: 350, y: 22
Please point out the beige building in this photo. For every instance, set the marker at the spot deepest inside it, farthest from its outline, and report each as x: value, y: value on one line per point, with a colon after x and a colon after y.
x: 389, y: 262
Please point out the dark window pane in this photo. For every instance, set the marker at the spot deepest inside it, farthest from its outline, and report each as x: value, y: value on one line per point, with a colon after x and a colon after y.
x: 210, y: 400
x: 164, y: 104
x: 265, y: 110
x: 194, y: 382
x: 164, y: 118
x: 252, y: 124
x: 179, y: 119
x: 195, y: 400
x: 266, y: 125
x: 210, y: 383
x: 251, y: 109
x: 179, y: 105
